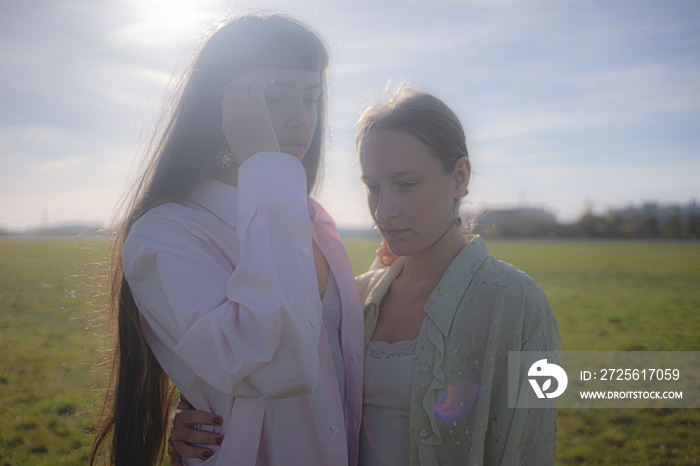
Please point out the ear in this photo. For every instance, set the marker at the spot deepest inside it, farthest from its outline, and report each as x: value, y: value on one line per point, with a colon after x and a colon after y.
x: 461, y: 173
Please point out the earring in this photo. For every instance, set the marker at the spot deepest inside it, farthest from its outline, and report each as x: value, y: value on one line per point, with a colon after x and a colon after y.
x: 466, y: 191
x: 225, y: 158
x: 458, y: 221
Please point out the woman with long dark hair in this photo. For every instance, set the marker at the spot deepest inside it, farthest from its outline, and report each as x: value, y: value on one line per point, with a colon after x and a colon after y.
x: 228, y: 280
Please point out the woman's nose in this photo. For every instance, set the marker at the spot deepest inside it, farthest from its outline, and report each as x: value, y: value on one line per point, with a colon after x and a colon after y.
x: 299, y: 116
x: 386, y: 207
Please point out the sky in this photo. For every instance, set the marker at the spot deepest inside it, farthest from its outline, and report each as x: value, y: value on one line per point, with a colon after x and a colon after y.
x: 566, y: 104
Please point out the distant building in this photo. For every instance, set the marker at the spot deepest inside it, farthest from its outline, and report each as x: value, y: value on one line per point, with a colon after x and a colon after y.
x: 521, y: 221
x: 652, y: 219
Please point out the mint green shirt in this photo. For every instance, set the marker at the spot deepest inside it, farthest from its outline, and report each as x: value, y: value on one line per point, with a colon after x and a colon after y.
x: 481, y: 309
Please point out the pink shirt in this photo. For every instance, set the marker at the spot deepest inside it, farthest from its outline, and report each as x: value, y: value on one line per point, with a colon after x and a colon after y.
x: 229, y: 301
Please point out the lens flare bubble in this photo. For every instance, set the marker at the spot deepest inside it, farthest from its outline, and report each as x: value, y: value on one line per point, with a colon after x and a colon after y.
x: 457, y: 401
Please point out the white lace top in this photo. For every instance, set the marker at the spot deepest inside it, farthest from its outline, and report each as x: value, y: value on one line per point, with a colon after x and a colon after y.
x: 386, y: 403
x: 384, y: 350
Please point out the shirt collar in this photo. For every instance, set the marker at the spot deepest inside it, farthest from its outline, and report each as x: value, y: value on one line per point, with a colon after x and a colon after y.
x: 219, y: 198
x: 222, y: 200
x: 388, y: 275
x: 444, y: 301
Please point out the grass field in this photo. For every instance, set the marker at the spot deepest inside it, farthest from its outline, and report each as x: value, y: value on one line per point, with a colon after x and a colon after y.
x: 606, y: 296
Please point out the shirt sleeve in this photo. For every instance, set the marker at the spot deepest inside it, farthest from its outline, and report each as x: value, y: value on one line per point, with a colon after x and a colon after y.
x: 532, y: 436
x: 250, y: 330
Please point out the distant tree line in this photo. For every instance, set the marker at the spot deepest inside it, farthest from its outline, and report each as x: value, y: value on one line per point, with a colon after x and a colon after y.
x: 59, y: 230
x: 648, y: 221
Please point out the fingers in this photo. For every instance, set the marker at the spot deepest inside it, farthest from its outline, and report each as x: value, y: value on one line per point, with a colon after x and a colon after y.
x: 190, y: 417
x: 244, y: 90
x: 236, y: 95
x: 183, y: 422
x: 246, y: 120
x: 383, y: 248
x: 192, y: 435
x: 179, y: 449
x: 245, y: 95
x: 257, y: 92
x: 184, y: 436
x: 184, y: 440
x: 384, y: 254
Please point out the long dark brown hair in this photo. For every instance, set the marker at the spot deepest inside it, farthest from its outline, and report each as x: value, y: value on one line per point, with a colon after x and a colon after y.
x: 135, y: 415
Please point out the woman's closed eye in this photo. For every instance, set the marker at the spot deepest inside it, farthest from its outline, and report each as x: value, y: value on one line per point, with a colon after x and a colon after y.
x: 372, y: 188
x: 404, y: 185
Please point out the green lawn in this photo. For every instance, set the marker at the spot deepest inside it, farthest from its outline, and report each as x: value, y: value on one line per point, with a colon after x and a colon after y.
x: 47, y: 387
x: 606, y: 296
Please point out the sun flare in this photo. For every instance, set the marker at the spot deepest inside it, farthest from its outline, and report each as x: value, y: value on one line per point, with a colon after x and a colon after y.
x: 159, y: 21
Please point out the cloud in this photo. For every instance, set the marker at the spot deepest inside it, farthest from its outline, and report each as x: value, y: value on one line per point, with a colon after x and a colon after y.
x: 170, y: 22
x: 558, y: 98
x: 22, y: 144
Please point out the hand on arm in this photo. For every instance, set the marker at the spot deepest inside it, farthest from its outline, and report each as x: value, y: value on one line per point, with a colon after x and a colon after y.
x: 384, y: 257
x: 184, y: 436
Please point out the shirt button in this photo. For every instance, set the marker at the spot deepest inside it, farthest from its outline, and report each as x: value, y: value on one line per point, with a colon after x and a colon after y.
x: 304, y: 250
x: 334, y: 429
x: 425, y: 368
x: 423, y: 432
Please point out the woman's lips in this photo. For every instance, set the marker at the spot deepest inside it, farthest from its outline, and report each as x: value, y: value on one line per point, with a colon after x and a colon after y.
x: 393, y: 232
x: 297, y: 150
